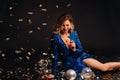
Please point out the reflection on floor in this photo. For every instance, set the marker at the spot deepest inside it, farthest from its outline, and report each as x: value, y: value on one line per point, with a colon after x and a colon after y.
x: 31, y: 64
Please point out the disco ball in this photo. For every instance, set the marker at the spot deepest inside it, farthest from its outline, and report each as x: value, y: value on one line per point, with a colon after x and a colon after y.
x: 43, y: 63
x: 87, y: 73
x: 71, y: 74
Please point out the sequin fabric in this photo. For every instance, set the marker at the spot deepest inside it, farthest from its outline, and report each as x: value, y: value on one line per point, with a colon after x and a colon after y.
x: 70, y: 59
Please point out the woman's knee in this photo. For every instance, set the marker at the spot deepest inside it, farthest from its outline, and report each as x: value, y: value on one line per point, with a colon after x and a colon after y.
x: 104, y: 68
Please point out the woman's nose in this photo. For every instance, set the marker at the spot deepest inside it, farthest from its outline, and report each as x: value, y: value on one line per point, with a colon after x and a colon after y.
x: 65, y: 27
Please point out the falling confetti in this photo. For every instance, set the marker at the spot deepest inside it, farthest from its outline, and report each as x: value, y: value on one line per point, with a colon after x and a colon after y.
x: 33, y: 50
x: 45, y: 53
x: 1, y: 21
x: 20, y: 58
x: 29, y: 53
x: 44, y: 24
x: 11, y: 15
x: 43, y: 9
x: 18, y: 51
x: 7, y: 39
x: 3, y: 55
x: 30, y: 13
x: 40, y: 5
x: 10, y: 25
x: 19, y: 12
x: 20, y: 20
x: 29, y: 21
x: 68, y: 5
x: 48, y: 48
x: 22, y: 49
x: 57, y: 6
x: 30, y: 31
x: 10, y: 8
x: 38, y: 28
x: 27, y: 57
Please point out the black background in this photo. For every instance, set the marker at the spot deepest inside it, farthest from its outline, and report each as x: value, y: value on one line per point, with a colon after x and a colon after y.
x: 97, y: 23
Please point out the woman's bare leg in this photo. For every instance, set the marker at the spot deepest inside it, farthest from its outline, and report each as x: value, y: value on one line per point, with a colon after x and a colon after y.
x: 93, y: 63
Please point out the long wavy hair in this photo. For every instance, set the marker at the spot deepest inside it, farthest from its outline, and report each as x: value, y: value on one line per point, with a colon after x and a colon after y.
x: 60, y: 21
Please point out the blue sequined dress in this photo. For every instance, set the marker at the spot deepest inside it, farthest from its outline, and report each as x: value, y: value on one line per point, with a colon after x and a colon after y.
x: 70, y: 59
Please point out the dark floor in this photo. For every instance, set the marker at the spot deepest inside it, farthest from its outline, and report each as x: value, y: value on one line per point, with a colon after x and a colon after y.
x: 31, y: 64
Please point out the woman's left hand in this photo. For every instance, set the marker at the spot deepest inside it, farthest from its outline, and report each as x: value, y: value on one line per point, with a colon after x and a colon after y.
x: 72, y: 45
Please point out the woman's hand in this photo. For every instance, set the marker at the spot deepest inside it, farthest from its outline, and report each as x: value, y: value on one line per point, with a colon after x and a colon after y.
x: 72, y: 45
x: 48, y: 76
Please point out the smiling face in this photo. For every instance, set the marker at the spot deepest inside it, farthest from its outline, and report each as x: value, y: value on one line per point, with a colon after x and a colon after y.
x: 66, y: 26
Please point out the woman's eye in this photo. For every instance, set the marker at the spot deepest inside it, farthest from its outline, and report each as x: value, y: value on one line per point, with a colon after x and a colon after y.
x: 67, y: 25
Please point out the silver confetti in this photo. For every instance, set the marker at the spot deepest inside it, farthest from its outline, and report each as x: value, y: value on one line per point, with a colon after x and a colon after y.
x: 38, y: 28
x: 20, y: 19
x: 68, y: 5
x: 20, y: 58
x: 57, y: 6
x: 29, y: 53
x: 30, y: 31
x: 43, y: 9
x: 7, y: 39
x: 10, y: 25
x: 10, y: 8
x: 11, y: 14
x: 18, y: 51
x: 27, y: 57
x: 29, y: 21
x: 1, y: 21
x: 40, y: 5
x: 44, y: 24
x: 3, y: 55
x: 45, y: 53
x: 30, y: 13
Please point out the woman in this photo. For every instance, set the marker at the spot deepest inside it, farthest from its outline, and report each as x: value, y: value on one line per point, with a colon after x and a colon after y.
x: 66, y: 44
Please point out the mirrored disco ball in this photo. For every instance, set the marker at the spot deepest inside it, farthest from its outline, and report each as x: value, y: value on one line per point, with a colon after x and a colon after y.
x: 71, y: 74
x: 87, y: 73
x: 43, y: 63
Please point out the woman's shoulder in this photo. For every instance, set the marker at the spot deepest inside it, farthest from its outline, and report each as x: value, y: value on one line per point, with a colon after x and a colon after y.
x: 74, y: 32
